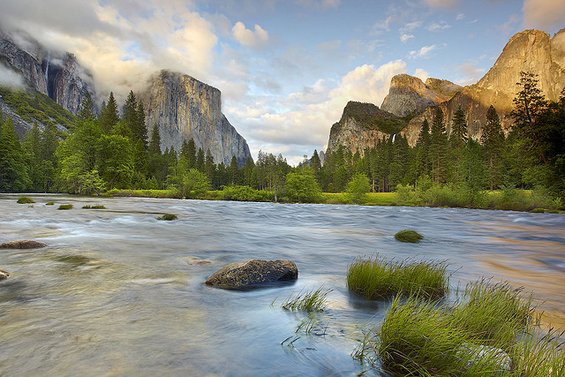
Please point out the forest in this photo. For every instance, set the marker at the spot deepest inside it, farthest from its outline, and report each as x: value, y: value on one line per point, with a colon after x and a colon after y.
x: 111, y: 153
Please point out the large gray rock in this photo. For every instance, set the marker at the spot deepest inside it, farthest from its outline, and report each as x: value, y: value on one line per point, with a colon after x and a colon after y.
x: 22, y: 244
x: 184, y: 108
x: 254, y: 273
x: 4, y: 275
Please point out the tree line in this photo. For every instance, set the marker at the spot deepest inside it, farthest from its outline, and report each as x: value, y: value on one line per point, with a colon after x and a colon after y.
x: 531, y: 155
x: 112, y: 151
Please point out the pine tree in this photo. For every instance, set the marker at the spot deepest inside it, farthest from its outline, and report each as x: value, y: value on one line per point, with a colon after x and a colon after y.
x: 458, y: 135
x: 140, y: 129
x: 492, y: 140
x: 109, y: 115
x: 423, y: 151
x: 86, y: 108
x: 438, y: 148
x: 316, y: 165
x: 529, y: 104
x: 234, y: 172
x: 209, y: 166
x: 13, y: 169
x: 199, y: 164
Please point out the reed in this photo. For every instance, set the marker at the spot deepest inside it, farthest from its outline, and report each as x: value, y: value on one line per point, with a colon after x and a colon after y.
x: 313, y: 301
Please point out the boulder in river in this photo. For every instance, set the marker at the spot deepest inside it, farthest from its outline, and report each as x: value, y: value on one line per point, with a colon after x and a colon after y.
x: 4, y: 275
x: 254, y: 273
x: 22, y: 244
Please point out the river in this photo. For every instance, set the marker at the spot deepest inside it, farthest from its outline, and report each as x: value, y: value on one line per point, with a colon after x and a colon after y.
x: 119, y: 293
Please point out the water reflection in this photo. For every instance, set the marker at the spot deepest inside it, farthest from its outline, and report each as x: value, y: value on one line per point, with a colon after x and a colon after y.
x: 119, y: 293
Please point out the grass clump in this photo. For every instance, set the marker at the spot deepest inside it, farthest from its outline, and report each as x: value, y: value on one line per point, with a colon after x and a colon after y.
x: 490, y: 332
x: 25, y: 200
x: 378, y: 279
x: 65, y: 206
x: 314, y: 301
x: 408, y: 235
x: 93, y: 207
x: 50, y: 203
x: 167, y: 217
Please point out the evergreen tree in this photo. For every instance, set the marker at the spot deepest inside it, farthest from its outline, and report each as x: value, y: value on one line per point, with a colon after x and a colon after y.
x: 188, y: 150
x: 458, y: 135
x: 423, y: 151
x: 316, y: 164
x: 438, y: 148
x: 209, y: 166
x: 140, y: 128
x: 250, y: 174
x: 200, y: 159
x: 233, y: 172
x: 86, y: 111
x: 493, y: 143
x: 156, y: 163
x: 13, y: 169
x: 109, y: 115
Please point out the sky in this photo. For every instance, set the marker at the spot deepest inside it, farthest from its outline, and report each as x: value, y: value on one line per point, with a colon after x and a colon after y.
x: 286, y: 68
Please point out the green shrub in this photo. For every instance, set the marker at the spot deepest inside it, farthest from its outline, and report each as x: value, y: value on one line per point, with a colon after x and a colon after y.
x: 314, y: 301
x: 358, y: 188
x: 408, y: 235
x: 50, y: 203
x: 168, y: 217
x: 65, y: 206
x: 302, y: 187
x: 25, y: 200
x: 377, y: 279
x: 246, y: 194
x: 93, y: 207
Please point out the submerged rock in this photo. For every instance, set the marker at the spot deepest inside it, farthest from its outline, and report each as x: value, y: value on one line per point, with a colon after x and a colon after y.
x: 22, y: 244
x: 4, y: 274
x: 485, y: 354
x: 254, y: 273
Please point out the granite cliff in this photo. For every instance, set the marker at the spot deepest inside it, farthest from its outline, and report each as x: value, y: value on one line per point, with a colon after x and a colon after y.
x: 530, y: 50
x: 53, y: 73
x: 185, y: 108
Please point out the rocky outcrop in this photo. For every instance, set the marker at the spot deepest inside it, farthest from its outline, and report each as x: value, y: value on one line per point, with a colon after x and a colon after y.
x: 53, y: 73
x: 408, y: 95
x: 4, y: 275
x: 254, y: 273
x: 185, y: 108
x: 361, y: 126
x: 529, y: 51
x: 22, y: 244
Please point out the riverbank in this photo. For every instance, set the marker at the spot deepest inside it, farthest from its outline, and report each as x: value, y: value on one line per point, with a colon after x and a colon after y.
x: 512, y: 199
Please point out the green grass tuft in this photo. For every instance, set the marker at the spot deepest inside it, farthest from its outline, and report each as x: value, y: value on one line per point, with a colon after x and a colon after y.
x: 65, y: 206
x: 489, y: 333
x: 93, y: 207
x: 25, y: 200
x: 408, y: 235
x: 379, y: 279
x: 314, y: 301
x: 50, y: 203
x: 168, y: 217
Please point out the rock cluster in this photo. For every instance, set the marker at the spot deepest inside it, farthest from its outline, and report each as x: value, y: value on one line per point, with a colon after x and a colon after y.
x: 22, y: 244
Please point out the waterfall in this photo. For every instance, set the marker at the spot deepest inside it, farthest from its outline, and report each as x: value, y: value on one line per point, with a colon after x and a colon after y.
x: 47, y: 73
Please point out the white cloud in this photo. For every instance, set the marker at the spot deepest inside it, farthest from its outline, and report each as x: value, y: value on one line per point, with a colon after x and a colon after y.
x: 438, y: 26
x: 250, y: 38
x: 544, y: 14
x: 441, y: 3
x: 303, y: 119
x: 422, y: 52
x: 405, y: 37
x: 460, y: 16
x: 421, y: 74
x: 10, y: 78
x: 411, y: 26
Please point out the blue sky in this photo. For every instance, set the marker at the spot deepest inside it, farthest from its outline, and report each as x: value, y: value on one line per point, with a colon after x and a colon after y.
x: 286, y: 68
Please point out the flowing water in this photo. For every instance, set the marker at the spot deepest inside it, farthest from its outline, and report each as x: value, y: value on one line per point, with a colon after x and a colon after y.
x: 119, y: 293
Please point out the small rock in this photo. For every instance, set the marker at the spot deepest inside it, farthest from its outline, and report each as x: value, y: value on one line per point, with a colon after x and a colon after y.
x: 4, y: 275
x: 253, y: 274
x: 480, y: 353
x: 22, y: 244
x: 194, y: 261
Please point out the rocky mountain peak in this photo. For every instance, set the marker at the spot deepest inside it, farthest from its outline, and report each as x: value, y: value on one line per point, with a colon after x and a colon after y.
x: 185, y: 108
x: 409, y: 95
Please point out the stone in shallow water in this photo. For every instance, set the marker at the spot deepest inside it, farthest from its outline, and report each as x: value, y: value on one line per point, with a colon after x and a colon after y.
x: 254, y: 273
x: 4, y: 274
x: 22, y: 244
